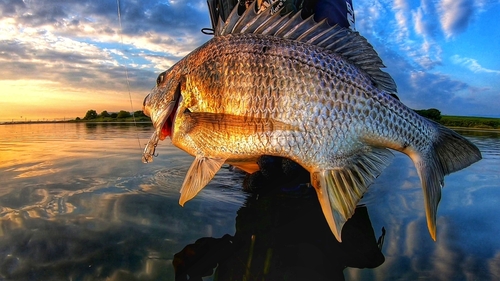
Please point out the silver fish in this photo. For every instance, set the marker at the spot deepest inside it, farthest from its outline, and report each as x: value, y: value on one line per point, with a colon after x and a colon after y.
x: 284, y: 86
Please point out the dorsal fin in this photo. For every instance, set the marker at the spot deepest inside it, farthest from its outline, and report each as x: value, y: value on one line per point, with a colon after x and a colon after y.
x: 343, y: 41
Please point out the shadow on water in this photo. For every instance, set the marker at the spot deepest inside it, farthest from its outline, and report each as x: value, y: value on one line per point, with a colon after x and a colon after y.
x: 282, y: 235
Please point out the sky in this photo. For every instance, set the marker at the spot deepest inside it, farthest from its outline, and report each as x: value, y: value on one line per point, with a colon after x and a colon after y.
x: 61, y: 58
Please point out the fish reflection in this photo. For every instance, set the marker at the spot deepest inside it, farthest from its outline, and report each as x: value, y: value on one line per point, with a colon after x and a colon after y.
x: 281, y: 234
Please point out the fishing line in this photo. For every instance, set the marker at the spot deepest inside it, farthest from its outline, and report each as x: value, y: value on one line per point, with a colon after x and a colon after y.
x: 126, y: 73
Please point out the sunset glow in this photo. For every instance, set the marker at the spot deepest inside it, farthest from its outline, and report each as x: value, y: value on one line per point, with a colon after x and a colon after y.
x: 40, y: 100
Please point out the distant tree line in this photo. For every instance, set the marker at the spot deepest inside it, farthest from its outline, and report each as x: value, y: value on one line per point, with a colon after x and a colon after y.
x: 92, y: 115
x: 471, y: 122
x: 460, y: 121
x: 431, y: 113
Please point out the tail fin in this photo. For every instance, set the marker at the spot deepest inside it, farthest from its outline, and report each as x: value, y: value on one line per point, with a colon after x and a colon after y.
x: 448, y: 153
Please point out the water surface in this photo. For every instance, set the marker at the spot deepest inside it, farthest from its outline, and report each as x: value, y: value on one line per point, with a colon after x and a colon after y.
x: 76, y: 203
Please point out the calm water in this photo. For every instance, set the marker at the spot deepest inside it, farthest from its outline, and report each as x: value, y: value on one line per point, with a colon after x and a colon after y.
x: 76, y: 203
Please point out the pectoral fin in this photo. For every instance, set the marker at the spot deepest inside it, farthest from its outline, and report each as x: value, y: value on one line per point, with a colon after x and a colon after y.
x: 199, y: 174
x: 247, y: 167
x: 340, y: 189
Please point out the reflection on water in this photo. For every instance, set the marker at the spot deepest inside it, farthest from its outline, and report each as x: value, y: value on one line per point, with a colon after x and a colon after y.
x: 76, y: 203
x: 282, y: 235
x: 467, y: 246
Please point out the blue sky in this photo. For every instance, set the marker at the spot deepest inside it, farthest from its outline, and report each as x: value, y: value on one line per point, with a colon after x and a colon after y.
x: 441, y: 53
x: 60, y: 58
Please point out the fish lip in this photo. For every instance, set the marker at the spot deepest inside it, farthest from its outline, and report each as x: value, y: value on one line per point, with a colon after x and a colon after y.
x: 160, y: 119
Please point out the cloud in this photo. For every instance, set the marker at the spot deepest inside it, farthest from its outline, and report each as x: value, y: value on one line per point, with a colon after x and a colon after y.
x: 408, y: 29
x: 455, y: 15
x: 408, y: 36
x: 45, y: 56
x: 425, y: 19
x: 426, y: 51
x: 369, y: 16
x: 472, y: 65
x: 8, y: 8
x: 76, y: 42
x: 420, y: 89
x: 435, y: 87
x: 401, y: 12
x: 79, y: 47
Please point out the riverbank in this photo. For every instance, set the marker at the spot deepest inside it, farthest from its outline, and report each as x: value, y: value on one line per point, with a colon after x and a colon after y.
x: 107, y: 120
x: 470, y: 122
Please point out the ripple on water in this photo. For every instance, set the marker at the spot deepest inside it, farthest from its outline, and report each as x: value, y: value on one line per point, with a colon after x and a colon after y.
x: 225, y: 186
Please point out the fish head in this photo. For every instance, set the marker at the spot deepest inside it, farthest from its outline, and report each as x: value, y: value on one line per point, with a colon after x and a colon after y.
x: 162, y: 102
x: 161, y: 105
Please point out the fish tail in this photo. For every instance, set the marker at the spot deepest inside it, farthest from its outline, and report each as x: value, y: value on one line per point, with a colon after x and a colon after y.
x: 448, y: 152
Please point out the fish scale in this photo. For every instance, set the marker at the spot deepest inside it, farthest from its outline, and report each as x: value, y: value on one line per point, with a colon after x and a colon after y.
x: 307, y: 103
x: 252, y: 69
x: 320, y: 100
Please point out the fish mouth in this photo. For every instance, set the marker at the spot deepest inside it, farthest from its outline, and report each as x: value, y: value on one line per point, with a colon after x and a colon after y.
x: 163, y: 121
x: 166, y: 120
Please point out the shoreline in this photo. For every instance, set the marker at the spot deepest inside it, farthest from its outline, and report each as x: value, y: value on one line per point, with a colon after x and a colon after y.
x: 73, y: 121
x: 474, y: 129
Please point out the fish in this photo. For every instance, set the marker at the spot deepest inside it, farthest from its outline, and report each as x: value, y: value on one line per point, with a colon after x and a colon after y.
x: 285, y: 86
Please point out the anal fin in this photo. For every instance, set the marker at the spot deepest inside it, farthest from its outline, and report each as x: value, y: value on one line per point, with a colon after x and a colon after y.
x: 199, y: 174
x: 340, y: 189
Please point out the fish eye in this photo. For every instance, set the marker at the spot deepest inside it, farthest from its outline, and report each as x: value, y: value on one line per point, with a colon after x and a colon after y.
x: 160, y: 78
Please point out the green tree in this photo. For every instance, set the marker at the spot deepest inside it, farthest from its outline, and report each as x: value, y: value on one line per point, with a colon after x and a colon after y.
x: 105, y: 114
x: 91, y: 114
x: 123, y: 114
x: 114, y: 115
x: 431, y: 113
x: 434, y: 114
x: 139, y: 113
